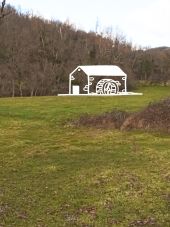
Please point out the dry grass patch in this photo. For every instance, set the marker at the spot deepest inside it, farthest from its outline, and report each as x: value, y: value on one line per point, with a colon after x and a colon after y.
x: 155, y: 117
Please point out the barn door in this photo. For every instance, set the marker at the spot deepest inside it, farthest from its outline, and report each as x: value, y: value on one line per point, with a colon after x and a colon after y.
x: 76, y: 90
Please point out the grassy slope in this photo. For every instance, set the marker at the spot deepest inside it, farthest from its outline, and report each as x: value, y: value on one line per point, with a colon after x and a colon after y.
x: 52, y: 175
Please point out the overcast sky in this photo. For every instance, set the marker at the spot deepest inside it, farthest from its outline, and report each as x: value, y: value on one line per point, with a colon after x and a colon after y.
x: 144, y: 22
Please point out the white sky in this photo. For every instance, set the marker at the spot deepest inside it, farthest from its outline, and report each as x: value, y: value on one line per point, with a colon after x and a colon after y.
x: 144, y: 22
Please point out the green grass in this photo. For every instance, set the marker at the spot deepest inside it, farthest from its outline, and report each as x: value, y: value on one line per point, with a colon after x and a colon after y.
x: 54, y: 175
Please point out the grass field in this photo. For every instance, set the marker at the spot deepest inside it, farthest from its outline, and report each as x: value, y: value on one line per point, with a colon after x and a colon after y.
x: 55, y: 175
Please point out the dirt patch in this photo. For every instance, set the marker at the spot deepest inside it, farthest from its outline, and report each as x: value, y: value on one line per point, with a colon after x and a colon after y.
x: 112, y: 119
x: 155, y: 117
x: 145, y: 222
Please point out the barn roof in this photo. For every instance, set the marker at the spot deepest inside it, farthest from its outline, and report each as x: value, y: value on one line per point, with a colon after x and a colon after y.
x: 101, y: 70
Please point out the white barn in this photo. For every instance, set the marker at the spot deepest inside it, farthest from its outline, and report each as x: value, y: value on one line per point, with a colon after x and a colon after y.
x: 97, y: 80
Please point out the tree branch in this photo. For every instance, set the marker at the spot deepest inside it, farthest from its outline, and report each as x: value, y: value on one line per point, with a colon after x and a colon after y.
x: 2, y: 9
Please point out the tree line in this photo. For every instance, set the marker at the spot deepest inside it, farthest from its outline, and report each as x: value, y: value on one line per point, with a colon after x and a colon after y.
x: 37, y: 55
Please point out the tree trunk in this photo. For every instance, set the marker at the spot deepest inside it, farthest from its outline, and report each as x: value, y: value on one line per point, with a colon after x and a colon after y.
x: 32, y: 93
x: 20, y: 89
x: 13, y: 88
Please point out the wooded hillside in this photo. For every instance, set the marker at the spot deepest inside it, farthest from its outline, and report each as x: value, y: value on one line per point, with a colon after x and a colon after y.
x: 37, y: 55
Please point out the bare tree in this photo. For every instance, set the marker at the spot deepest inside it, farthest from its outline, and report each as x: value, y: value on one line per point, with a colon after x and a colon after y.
x: 2, y: 14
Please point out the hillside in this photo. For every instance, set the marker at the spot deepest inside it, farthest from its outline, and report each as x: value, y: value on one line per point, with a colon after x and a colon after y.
x: 159, y: 49
x: 37, y: 55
